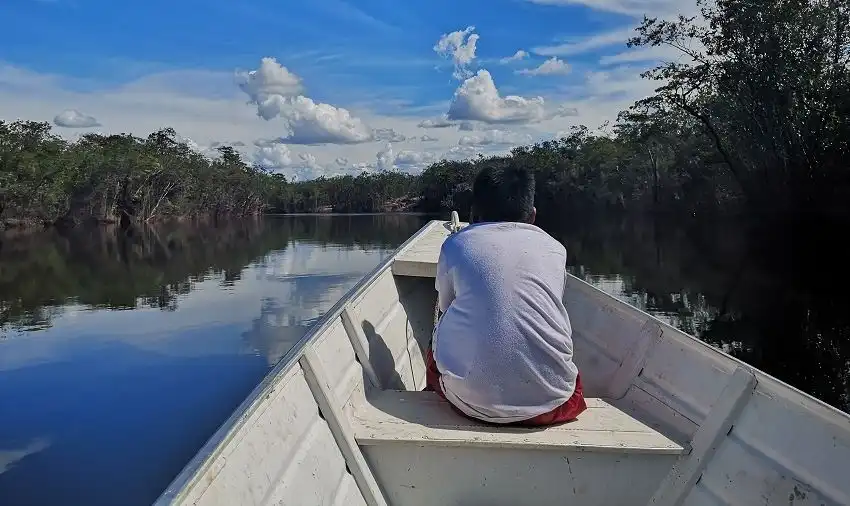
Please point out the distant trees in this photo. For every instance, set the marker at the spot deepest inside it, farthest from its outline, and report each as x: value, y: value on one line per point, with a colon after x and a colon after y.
x: 119, y: 178
x: 755, y: 116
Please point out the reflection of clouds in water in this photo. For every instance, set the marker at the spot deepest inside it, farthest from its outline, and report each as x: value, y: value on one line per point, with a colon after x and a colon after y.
x: 283, y: 321
x: 302, y: 282
x: 307, y: 281
x: 303, y: 258
x: 9, y: 458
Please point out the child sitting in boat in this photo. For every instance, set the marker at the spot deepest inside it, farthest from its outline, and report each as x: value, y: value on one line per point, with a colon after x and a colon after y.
x: 502, y: 351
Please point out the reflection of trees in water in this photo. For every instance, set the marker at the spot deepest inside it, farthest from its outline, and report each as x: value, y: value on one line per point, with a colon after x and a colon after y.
x: 785, y: 314
x: 152, y: 267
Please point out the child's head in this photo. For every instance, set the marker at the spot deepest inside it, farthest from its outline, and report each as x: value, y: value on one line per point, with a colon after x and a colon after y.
x: 503, y: 193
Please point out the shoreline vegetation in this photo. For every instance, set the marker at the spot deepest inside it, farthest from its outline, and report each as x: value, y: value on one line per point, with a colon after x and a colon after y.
x: 752, y: 118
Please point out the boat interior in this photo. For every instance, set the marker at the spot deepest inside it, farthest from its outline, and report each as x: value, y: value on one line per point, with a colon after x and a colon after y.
x: 343, y: 420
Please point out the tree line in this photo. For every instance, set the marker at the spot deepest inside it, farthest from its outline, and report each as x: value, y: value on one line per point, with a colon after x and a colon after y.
x: 752, y: 116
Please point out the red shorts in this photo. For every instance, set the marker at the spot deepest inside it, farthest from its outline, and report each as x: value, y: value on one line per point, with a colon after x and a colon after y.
x: 566, y: 412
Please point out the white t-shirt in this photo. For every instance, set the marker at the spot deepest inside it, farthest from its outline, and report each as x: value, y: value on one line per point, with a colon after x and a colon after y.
x: 504, y: 343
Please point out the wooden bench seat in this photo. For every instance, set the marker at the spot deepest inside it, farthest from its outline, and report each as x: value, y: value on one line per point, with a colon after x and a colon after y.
x: 393, y: 416
x: 422, y: 452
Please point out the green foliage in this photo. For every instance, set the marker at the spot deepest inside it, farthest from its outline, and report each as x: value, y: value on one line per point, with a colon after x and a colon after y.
x: 756, y: 113
x: 768, y: 83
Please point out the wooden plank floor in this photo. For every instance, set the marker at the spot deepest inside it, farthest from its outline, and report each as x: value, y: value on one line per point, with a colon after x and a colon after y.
x: 419, y: 259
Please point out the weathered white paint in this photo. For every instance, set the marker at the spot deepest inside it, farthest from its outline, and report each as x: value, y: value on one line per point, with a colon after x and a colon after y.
x: 276, y: 448
x: 322, y: 387
x: 433, y: 475
x: 425, y: 419
x: 270, y: 457
x: 708, y: 437
x: 751, y: 439
x: 783, y: 447
x: 420, y: 259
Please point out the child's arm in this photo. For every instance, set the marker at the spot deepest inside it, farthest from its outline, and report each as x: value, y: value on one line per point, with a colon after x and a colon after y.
x: 444, y: 283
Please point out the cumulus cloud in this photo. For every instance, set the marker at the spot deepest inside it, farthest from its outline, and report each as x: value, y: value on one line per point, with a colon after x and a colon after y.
x: 386, y: 158
x: 363, y: 167
x: 418, y: 159
x: 273, y: 156
x: 279, y: 158
x: 341, y: 161
x: 551, y: 67
x: 428, y: 138
x: 460, y: 47
x: 477, y: 99
x: 436, y: 123
x: 72, y: 118
x: 466, y: 126
x: 495, y: 137
x: 276, y: 93
x: 519, y: 55
x: 388, y: 135
x: 270, y: 80
x: 309, y: 161
x: 461, y: 152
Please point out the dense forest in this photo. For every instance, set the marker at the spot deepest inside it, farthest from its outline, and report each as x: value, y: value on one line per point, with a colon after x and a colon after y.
x: 754, y: 117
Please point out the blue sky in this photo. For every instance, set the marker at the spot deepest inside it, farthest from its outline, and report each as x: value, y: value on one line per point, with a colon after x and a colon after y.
x: 349, y: 82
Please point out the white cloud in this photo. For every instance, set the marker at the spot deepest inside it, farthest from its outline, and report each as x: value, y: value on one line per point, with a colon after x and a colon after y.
x: 72, y: 118
x: 460, y: 47
x: 565, y: 110
x: 478, y: 99
x: 388, y: 135
x: 461, y: 153
x: 551, y: 67
x: 341, y: 161
x: 436, y: 123
x: 273, y: 156
x: 309, y: 122
x: 270, y: 80
x: 495, y: 137
x: 279, y: 158
x: 635, y: 8
x: 643, y: 54
x: 617, y: 37
x: 428, y: 138
x: 519, y: 55
x: 309, y: 161
x: 386, y: 158
x: 415, y: 159
x: 466, y: 126
x: 275, y: 92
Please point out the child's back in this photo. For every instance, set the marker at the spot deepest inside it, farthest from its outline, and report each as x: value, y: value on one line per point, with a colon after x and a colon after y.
x: 503, y: 351
x: 504, y: 344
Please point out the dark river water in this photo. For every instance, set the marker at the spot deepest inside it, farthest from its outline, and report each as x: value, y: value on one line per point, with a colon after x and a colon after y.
x: 120, y: 356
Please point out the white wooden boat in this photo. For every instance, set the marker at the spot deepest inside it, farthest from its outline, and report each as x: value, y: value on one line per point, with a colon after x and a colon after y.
x: 341, y: 419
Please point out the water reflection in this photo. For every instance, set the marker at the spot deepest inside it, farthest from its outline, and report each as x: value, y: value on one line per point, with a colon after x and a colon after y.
x: 126, y: 353
x: 120, y: 355
x: 782, y: 309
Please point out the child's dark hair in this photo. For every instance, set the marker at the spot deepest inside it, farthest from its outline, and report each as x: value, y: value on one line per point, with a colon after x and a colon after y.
x: 503, y: 192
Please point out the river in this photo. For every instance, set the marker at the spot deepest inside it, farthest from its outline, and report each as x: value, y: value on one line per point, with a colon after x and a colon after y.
x: 120, y: 355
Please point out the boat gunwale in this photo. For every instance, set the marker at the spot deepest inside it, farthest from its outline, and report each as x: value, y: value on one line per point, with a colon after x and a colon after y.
x: 204, y: 458
x: 826, y: 410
